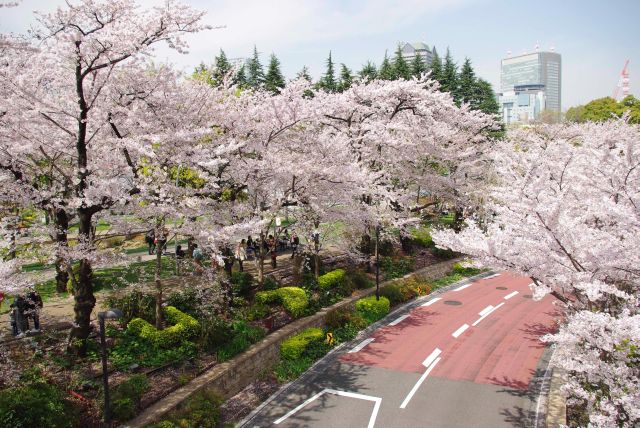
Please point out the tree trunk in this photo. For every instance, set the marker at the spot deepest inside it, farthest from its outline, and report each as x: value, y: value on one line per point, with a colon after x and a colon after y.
x: 83, y: 292
x: 297, y: 269
x: 158, y: 290
x: 260, y: 259
x: 316, y: 267
x: 61, y: 222
x: 458, y: 219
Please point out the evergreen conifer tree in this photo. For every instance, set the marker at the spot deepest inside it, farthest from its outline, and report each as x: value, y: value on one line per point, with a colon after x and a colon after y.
x: 255, y: 73
x: 368, y: 71
x: 346, y: 78
x: 274, y: 80
x: 304, y: 74
x: 328, y: 82
x: 240, y: 79
x: 222, y: 67
x: 400, y: 66
x: 450, y: 76
x: 467, y: 85
x: 436, y: 66
x: 418, y: 66
x: 487, y: 101
x: 386, y: 71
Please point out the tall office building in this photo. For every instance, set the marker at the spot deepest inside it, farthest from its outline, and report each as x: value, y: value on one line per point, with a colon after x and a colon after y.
x: 410, y: 50
x: 529, y: 84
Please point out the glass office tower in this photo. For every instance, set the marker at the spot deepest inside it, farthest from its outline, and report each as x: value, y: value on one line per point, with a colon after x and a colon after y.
x: 542, y: 70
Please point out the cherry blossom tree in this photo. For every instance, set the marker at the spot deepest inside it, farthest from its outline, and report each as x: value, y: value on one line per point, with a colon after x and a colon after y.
x: 59, y: 109
x: 564, y: 210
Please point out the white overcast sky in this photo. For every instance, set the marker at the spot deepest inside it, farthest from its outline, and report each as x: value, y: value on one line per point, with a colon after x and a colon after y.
x: 594, y: 37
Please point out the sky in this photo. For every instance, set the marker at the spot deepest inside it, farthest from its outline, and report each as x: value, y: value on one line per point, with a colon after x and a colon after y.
x: 593, y: 37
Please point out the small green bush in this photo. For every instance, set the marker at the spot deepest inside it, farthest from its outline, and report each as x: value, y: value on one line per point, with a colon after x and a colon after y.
x: 422, y: 237
x: 183, y: 328
x: 360, y: 279
x: 269, y: 283
x: 202, y: 410
x: 331, y: 280
x: 134, y: 304
x: 371, y: 309
x: 126, y: 397
x: 293, y: 299
x: 215, y: 332
x: 244, y: 335
x: 393, y: 292
x: 35, y: 405
x: 242, y: 282
x: 396, y: 268
x: 293, y: 347
x: 466, y: 271
x: 340, y: 317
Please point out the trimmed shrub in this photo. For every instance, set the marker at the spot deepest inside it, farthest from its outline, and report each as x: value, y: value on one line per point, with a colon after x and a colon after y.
x: 371, y: 309
x: 360, y: 279
x: 202, y: 410
x: 215, y: 332
x: 183, y: 328
x: 293, y: 299
x: 340, y: 317
x: 293, y: 347
x: 333, y: 279
x: 134, y: 304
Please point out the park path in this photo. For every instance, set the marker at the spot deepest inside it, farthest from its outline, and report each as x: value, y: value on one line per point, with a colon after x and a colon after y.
x: 58, y: 311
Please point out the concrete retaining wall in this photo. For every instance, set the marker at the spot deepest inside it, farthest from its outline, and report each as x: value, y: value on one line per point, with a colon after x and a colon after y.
x: 231, y: 377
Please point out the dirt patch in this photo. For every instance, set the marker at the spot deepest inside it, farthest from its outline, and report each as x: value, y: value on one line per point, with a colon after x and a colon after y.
x: 241, y: 404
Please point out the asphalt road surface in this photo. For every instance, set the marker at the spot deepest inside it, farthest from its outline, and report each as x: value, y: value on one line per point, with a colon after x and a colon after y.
x: 467, y: 357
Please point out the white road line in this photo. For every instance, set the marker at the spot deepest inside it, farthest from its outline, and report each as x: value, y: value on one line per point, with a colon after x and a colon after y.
x: 374, y: 413
x: 417, y: 385
x: 459, y: 331
x: 361, y: 345
x: 427, y: 362
x: 510, y: 295
x: 464, y: 286
x: 431, y: 302
x: 486, y: 315
x: 399, y: 320
x: 492, y: 276
x: 485, y: 310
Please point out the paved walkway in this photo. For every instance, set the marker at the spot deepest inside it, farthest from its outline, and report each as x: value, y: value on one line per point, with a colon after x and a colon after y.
x: 58, y: 311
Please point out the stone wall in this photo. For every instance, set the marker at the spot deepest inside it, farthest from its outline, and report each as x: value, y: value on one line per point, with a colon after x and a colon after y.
x: 233, y: 376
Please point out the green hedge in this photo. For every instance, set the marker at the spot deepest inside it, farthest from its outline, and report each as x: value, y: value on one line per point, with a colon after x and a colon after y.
x: 371, y: 309
x: 334, y: 279
x: 183, y: 328
x: 36, y: 405
x: 293, y: 347
x: 293, y: 299
x: 422, y: 237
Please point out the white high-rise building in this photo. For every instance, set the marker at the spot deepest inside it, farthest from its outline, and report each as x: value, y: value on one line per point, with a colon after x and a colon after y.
x: 529, y: 84
x: 410, y: 50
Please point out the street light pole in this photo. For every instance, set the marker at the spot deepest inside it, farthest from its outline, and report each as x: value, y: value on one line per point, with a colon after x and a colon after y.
x: 110, y: 314
x: 378, y: 262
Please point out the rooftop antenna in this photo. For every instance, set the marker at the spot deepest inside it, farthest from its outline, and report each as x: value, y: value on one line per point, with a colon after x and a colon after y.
x: 537, y: 47
x: 552, y: 48
x: 508, y: 54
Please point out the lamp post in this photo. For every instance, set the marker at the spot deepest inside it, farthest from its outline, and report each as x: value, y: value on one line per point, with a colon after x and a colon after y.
x: 378, y: 262
x: 111, y: 314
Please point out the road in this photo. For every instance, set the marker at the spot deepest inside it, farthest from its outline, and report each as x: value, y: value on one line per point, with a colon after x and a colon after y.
x: 468, y: 357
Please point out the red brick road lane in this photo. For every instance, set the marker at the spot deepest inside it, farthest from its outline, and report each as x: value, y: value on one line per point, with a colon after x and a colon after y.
x: 502, y: 349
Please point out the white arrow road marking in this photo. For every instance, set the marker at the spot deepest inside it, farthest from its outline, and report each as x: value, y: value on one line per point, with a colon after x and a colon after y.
x: 372, y: 419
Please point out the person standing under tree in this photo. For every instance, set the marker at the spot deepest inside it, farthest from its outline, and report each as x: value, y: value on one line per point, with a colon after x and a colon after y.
x: 273, y: 248
x: 295, y: 241
x: 241, y: 253
x: 150, y: 239
x: 32, y: 308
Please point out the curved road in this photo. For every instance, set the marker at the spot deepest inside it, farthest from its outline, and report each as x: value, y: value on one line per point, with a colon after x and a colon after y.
x: 468, y: 357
